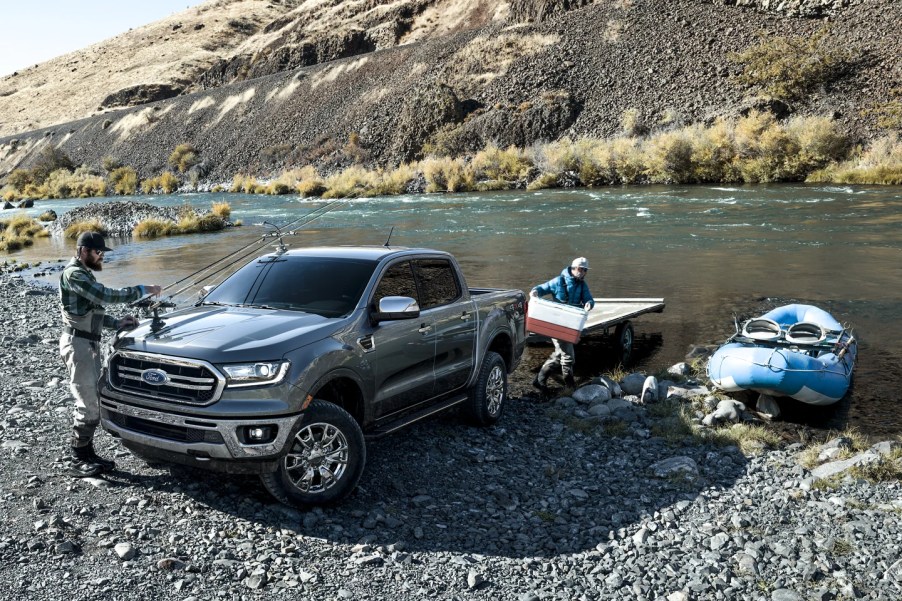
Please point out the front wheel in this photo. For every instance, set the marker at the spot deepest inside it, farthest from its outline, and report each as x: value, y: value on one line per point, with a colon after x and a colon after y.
x: 323, y: 463
x: 489, y: 393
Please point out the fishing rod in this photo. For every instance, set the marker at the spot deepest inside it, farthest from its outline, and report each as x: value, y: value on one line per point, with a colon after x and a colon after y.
x: 311, y: 216
x: 149, y: 305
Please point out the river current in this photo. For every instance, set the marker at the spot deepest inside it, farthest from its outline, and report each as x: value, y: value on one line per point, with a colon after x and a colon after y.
x: 711, y: 252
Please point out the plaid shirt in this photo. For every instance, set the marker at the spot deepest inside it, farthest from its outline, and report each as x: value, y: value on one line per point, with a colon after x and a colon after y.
x: 80, y: 292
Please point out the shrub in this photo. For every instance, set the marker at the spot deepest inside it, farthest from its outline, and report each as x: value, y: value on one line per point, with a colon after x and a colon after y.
x: 791, y: 68
x: 395, y: 181
x: 124, y: 180
x: 78, y: 184
x: 881, y: 163
x: 110, y: 163
x: 353, y: 182
x: 77, y: 228
x: 509, y: 165
x: 222, y: 210
x: 889, y: 114
x: 448, y: 175
x: 169, y: 183
x: 150, y: 185
x: 153, y: 228
x: 184, y: 157
x: 670, y: 158
x: 19, y: 178
x: 632, y: 124
x: 49, y: 160
x: 47, y: 216
x: 311, y: 187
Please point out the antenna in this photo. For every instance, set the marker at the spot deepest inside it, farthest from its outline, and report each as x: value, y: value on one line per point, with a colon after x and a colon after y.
x: 389, y: 236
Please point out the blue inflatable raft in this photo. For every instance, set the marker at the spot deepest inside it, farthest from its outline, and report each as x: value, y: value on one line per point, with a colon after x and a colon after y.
x: 798, y: 351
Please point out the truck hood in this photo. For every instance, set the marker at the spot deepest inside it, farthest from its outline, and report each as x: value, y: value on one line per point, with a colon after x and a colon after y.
x: 230, y: 334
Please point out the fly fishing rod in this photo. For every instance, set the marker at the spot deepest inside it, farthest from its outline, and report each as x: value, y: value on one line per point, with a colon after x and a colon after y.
x: 152, y: 306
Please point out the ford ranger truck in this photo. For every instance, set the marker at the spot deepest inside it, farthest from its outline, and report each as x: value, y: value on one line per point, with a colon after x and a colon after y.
x: 286, y: 367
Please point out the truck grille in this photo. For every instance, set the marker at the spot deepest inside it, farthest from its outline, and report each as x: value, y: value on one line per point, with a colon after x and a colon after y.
x: 172, y: 379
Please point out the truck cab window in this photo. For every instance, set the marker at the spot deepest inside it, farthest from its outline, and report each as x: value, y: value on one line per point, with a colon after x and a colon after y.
x: 438, y: 283
x: 396, y: 281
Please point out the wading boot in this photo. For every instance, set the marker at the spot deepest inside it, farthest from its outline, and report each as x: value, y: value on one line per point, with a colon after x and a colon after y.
x: 569, y: 382
x: 82, y: 467
x: 540, y: 381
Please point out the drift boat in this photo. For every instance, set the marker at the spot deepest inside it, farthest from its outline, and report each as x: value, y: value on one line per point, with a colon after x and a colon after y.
x: 799, y: 351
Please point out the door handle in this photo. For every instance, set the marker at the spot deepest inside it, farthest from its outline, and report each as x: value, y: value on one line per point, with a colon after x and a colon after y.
x: 465, y: 316
x: 424, y: 328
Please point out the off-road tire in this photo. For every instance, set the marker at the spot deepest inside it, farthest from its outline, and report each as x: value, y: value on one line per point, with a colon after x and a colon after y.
x: 314, y: 474
x: 488, y: 395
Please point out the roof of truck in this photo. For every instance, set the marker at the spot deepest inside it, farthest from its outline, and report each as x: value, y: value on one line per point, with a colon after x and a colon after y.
x: 374, y: 253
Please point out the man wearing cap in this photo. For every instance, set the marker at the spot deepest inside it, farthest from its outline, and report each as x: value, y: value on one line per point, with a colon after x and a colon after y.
x: 82, y: 299
x: 569, y: 288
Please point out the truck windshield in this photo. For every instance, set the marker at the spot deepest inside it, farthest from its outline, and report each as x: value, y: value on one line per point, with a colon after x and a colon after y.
x: 325, y: 286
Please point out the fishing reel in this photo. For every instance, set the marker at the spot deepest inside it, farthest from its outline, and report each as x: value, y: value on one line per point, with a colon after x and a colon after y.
x: 149, y: 307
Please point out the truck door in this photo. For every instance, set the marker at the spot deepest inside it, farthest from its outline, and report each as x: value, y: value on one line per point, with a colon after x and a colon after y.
x: 453, y: 316
x: 403, y: 351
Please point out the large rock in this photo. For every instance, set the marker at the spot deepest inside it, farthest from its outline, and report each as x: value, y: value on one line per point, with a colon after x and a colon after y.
x: 632, y: 384
x: 676, y: 467
x: 593, y: 393
x: 838, y: 467
x: 140, y: 94
x: 727, y: 410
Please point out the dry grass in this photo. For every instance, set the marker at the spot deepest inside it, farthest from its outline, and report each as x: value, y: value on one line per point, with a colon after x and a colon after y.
x: 75, y: 229
x: 154, y: 228
x: 881, y: 163
x: 222, y: 210
x: 19, y: 231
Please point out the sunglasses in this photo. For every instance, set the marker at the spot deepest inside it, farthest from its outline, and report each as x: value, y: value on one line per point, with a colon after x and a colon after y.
x: 99, y: 253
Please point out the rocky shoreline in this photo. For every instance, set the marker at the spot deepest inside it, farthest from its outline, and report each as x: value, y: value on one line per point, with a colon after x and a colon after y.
x: 552, y: 503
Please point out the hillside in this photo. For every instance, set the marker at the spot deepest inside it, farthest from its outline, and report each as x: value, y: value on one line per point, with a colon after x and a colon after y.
x: 303, y: 78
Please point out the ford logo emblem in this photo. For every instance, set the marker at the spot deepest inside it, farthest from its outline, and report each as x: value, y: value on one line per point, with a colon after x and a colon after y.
x: 155, y: 376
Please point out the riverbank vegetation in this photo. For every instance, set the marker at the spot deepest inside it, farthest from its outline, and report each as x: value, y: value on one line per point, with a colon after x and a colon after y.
x: 19, y: 231
x: 755, y: 148
x: 189, y: 222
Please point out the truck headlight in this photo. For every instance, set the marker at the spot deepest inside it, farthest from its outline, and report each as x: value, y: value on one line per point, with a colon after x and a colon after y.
x: 255, y: 374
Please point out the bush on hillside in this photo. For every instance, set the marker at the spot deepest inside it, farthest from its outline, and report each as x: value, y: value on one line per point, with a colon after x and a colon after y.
x: 791, y: 68
x: 124, y: 180
x: 184, y: 157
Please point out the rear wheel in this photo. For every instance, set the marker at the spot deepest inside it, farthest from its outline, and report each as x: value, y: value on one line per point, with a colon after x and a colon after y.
x: 488, y: 394
x: 325, y: 459
x: 623, y: 337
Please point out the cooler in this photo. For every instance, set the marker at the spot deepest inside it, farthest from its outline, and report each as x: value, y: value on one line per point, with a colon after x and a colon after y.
x: 555, y: 320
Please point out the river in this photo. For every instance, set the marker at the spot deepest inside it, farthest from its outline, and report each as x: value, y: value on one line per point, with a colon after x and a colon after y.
x: 711, y: 252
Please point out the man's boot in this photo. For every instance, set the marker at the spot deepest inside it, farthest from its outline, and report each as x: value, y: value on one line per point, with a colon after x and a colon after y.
x: 81, y: 465
x: 541, y: 379
x: 106, y: 464
x: 569, y: 382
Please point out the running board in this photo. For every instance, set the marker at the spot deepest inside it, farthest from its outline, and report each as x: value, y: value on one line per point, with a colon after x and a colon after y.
x: 406, y: 420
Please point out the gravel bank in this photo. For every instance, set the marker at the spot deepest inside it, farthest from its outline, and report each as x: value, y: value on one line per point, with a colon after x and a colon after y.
x: 532, y: 509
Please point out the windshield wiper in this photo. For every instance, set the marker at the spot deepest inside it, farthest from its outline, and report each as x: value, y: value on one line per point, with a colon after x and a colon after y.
x: 253, y: 306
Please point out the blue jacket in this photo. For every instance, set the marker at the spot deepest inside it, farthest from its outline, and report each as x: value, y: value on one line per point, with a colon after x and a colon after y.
x: 567, y: 289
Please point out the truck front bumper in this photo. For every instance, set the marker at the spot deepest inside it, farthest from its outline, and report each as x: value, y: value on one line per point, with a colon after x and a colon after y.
x: 217, y: 444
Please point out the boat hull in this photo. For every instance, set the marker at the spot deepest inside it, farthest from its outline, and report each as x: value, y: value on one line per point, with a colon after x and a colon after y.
x: 816, y: 374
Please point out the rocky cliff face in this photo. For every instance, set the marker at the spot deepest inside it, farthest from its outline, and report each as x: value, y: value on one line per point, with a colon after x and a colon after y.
x: 504, y: 73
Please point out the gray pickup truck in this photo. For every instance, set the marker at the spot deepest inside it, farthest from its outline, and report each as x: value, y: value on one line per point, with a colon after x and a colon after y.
x: 286, y: 367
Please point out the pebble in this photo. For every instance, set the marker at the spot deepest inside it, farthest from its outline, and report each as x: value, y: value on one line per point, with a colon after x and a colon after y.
x: 537, y: 508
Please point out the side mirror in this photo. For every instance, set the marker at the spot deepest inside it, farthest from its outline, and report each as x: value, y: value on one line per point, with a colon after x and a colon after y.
x: 396, y: 307
x: 203, y: 292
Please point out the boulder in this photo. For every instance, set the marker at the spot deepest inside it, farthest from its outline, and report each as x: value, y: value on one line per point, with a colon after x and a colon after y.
x: 591, y: 394
x: 727, y: 410
x: 649, y: 390
x: 679, y: 369
x: 632, y: 384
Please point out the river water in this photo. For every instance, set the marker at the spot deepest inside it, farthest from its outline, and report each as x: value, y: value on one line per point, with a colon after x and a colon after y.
x: 710, y: 252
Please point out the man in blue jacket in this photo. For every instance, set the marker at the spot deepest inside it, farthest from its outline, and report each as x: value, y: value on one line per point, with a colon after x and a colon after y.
x: 569, y: 288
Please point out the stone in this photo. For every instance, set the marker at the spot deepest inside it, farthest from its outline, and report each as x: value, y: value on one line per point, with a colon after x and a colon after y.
x: 837, y: 467
x: 785, y: 594
x: 727, y: 410
x: 649, y: 391
x: 592, y: 393
x: 886, y: 448
x: 632, y: 384
x: 767, y: 406
x: 125, y: 551
x: 679, y: 369
x: 475, y: 579
x: 678, y: 467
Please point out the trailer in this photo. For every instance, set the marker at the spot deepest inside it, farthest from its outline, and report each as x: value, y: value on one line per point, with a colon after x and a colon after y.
x: 616, y: 314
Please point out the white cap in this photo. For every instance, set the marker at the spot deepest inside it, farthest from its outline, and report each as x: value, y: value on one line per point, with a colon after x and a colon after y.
x: 580, y: 262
